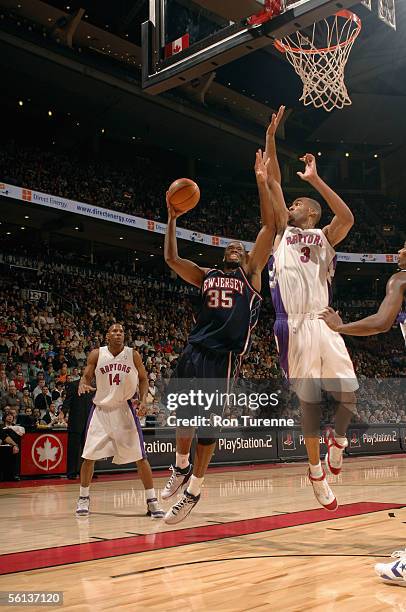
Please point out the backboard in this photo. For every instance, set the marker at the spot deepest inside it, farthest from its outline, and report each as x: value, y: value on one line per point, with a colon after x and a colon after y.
x: 186, y: 39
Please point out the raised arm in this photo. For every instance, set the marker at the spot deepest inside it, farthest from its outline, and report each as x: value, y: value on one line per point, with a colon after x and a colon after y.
x: 262, y: 248
x: 377, y: 323
x: 270, y: 148
x: 85, y: 384
x: 343, y: 218
x: 142, y: 377
x: 186, y: 269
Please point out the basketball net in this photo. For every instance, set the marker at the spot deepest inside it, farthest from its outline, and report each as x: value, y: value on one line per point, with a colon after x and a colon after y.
x: 319, y: 56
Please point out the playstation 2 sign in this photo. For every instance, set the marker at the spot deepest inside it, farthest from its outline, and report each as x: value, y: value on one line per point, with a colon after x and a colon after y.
x: 291, y: 444
x: 373, y: 440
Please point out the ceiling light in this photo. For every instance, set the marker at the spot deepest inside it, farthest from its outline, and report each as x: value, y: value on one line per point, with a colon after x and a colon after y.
x: 348, y: 279
x: 319, y: 153
x: 26, y: 217
x: 76, y: 228
x: 22, y: 227
x: 136, y: 259
x: 151, y: 255
x: 49, y: 113
x: 102, y: 131
x: 20, y: 103
x: 376, y: 155
x: 8, y: 233
x: 347, y: 154
x: 121, y: 237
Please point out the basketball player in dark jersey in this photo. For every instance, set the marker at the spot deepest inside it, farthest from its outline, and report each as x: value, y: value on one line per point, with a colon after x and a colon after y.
x: 230, y: 307
x: 393, y: 572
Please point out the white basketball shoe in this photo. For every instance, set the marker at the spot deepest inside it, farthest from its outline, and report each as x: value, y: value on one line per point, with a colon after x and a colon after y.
x: 395, y: 571
x: 323, y: 493
x: 178, y: 479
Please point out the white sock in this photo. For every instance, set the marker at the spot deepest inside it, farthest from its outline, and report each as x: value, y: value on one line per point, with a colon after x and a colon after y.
x: 150, y: 494
x: 316, y: 470
x: 336, y: 454
x: 182, y: 461
x: 84, y: 491
x: 195, y: 485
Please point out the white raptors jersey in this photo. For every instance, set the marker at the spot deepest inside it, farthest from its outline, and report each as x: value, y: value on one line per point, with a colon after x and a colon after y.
x: 116, y: 377
x: 301, y: 271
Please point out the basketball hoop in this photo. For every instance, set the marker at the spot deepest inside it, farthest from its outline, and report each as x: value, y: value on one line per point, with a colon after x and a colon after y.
x: 319, y: 58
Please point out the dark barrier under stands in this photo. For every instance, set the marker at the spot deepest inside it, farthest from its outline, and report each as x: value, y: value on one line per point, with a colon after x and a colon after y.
x: 247, y: 446
x: 43, y: 453
x: 265, y: 446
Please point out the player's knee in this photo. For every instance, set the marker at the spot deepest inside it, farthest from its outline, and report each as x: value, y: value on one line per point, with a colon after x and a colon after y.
x: 206, y: 441
x: 347, y: 399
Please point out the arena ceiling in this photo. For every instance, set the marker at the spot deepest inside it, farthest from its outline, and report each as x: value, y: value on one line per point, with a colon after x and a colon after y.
x: 243, y: 93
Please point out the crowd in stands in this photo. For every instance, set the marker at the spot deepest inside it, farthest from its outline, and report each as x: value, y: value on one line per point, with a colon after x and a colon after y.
x: 136, y: 188
x: 43, y: 347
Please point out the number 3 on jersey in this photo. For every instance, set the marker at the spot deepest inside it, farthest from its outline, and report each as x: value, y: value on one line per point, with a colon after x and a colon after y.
x: 305, y: 258
x: 222, y: 298
x: 114, y: 380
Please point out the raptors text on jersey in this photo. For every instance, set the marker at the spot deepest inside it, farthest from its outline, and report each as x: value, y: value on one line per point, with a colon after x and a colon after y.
x: 301, y: 271
x: 116, y: 377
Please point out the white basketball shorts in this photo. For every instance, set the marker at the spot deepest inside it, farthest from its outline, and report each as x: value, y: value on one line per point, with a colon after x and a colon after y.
x: 114, y: 432
x: 314, y: 357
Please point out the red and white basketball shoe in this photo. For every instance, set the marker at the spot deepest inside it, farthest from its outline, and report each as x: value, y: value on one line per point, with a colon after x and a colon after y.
x: 323, y: 493
x: 335, y: 451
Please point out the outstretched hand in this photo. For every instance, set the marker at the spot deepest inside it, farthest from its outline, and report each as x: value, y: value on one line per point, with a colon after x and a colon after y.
x: 310, y: 172
x: 332, y: 318
x: 261, y: 167
x: 275, y: 121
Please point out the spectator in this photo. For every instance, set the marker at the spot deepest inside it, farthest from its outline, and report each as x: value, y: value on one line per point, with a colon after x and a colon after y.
x: 26, y: 419
x: 40, y: 385
x: 26, y: 400
x: 49, y: 416
x: 19, y: 382
x: 11, y: 398
x: 43, y: 401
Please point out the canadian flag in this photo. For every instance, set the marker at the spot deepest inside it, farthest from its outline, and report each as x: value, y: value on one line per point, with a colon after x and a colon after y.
x: 177, y: 46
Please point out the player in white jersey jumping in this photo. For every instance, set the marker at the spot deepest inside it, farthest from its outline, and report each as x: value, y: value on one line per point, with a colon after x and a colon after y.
x: 312, y: 356
x: 113, y: 428
x: 393, y: 572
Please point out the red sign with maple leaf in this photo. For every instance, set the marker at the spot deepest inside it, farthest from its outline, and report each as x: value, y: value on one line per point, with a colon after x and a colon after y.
x: 44, y: 453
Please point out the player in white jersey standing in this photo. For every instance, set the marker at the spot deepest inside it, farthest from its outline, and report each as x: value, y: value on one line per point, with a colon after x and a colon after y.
x: 312, y: 356
x: 113, y: 428
x: 393, y: 572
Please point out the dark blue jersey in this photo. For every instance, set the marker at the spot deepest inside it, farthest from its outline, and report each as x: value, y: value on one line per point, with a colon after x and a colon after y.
x: 229, y: 312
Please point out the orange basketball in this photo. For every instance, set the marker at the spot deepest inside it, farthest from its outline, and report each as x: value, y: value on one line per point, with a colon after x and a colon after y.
x: 184, y: 194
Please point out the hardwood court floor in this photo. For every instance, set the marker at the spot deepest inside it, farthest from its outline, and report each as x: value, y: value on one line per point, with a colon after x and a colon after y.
x: 256, y: 541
